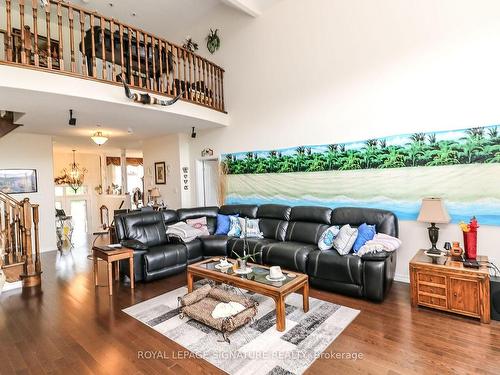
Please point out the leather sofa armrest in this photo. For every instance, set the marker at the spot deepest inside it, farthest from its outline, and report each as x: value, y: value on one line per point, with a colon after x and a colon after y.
x: 382, y: 255
x: 134, y: 244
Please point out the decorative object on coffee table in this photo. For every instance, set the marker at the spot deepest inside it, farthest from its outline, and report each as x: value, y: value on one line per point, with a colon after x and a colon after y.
x: 242, y: 259
x: 255, y: 282
x: 470, y: 237
x: 200, y: 304
x: 448, y: 285
x: 433, y: 211
x: 109, y: 255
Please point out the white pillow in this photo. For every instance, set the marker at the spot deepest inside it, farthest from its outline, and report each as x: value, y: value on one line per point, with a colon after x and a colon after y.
x: 252, y: 228
x: 326, y: 240
x: 345, y: 239
x: 234, y: 228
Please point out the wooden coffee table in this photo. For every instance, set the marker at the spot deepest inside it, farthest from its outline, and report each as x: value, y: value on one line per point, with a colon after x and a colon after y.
x: 255, y: 282
x: 110, y: 255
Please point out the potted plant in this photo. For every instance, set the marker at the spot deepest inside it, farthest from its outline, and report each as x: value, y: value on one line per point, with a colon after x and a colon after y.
x: 242, y: 259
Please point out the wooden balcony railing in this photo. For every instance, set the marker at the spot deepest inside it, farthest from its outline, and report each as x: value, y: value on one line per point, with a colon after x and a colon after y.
x: 19, y: 240
x: 68, y: 39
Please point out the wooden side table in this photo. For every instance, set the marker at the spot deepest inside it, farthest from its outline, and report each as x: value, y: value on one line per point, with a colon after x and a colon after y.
x: 110, y: 255
x: 448, y: 285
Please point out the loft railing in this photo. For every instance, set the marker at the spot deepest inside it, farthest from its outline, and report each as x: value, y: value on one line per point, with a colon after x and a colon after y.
x: 68, y: 39
x: 19, y: 240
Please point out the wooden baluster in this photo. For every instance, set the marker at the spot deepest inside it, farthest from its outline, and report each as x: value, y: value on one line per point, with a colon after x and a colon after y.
x: 72, y: 38
x: 94, y: 63
x: 36, y: 219
x: 205, y: 81
x: 61, y: 49
x: 178, y: 69
x: 47, y: 25
x: 146, y: 63
x: 17, y: 229
x: 217, y: 99
x: 112, y: 38
x: 170, y: 66
x: 194, y: 93
x: 222, y: 90
x: 130, y: 62
x: 34, y: 7
x: 122, y: 63
x: 138, y: 43
x: 21, y: 20
x: 29, y: 275
x: 103, y: 49
x: 153, y: 57
x: 210, y: 87
x: 184, y: 77
x: 8, y: 238
x: 160, y: 57
x: 8, y: 41
x: 213, y: 86
x: 85, y: 70
x: 191, y: 81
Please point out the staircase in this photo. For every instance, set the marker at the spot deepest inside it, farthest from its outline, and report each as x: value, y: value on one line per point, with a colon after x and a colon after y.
x: 8, y: 122
x: 19, y: 241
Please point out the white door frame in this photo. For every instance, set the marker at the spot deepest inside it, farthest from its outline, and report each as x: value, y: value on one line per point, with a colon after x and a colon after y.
x: 200, y: 199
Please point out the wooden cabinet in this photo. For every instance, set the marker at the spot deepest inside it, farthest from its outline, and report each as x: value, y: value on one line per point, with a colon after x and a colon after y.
x: 449, y: 286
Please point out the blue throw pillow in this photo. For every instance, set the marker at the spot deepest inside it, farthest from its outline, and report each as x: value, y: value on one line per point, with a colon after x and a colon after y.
x: 223, y: 224
x: 365, y: 233
x: 235, y: 228
x: 326, y: 240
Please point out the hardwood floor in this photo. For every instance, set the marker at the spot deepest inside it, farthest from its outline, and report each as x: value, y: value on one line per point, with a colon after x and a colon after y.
x: 71, y: 327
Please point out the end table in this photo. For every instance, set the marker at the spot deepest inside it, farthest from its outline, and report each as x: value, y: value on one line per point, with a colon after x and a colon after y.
x: 110, y: 255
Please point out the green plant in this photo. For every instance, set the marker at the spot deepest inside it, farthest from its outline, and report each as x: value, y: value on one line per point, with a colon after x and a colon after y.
x: 190, y: 44
x: 213, y: 41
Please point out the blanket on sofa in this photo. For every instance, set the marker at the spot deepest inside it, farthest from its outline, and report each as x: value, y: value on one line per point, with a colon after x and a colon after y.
x: 184, y: 231
x: 381, y: 242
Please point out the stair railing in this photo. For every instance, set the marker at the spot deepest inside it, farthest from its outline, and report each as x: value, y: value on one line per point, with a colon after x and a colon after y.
x: 19, y: 237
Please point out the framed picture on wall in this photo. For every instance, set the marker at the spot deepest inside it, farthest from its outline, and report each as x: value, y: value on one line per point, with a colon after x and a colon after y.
x: 160, y: 173
x: 18, y: 181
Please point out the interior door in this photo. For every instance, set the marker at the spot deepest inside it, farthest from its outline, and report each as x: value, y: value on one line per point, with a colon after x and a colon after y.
x: 209, y: 184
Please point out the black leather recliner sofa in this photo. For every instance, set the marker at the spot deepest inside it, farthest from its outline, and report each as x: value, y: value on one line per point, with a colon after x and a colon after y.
x: 291, y: 235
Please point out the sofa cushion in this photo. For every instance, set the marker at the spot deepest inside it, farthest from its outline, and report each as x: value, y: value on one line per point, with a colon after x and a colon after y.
x: 147, y: 227
x: 165, y: 256
x: 384, y: 221
x: 326, y: 240
x: 169, y: 216
x: 365, y: 233
x: 255, y: 245
x: 250, y: 228
x: 243, y: 210
x: 194, y: 250
x: 223, y: 224
x: 310, y: 233
x: 194, y: 213
x: 273, y: 220
x: 345, y: 239
x: 311, y: 214
x: 289, y: 255
x: 214, y: 245
x: 329, y: 265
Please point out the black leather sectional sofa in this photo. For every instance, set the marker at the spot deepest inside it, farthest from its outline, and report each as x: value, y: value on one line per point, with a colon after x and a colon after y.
x: 290, y: 240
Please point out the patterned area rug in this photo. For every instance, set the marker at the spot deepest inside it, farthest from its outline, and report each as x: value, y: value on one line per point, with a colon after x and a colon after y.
x: 257, y: 348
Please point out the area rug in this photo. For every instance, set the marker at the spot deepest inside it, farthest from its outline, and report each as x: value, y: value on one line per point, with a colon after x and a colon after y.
x: 257, y: 348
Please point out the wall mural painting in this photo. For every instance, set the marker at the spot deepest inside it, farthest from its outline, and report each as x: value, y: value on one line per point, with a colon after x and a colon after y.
x: 393, y: 173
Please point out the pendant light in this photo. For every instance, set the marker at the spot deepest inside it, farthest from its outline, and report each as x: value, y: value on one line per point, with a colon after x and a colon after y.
x: 99, y: 139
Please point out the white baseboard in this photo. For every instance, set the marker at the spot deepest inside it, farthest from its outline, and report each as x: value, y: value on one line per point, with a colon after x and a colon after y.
x: 402, y: 278
x: 11, y: 286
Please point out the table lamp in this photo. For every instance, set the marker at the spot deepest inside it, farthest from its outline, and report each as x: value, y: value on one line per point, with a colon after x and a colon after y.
x: 155, y: 194
x: 434, y: 212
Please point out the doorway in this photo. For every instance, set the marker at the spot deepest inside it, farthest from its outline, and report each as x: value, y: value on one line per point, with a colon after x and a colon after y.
x: 76, y: 205
x: 207, y: 182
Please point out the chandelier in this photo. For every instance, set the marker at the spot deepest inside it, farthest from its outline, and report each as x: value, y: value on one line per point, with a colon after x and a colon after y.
x: 75, y: 175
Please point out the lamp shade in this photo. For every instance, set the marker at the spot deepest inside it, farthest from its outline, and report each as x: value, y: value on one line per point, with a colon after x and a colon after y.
x: 433, y: 211
x: 99, y: 138
x: 155, y: 192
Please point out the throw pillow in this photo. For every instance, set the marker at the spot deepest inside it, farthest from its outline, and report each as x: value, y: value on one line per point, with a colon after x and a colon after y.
x: 345, y: 239
x: 200, y: 223
x: 234, y: 228
x: 365, y: 233
x: 223, y: 224
x: 326, y: 239
x: 252, y: 228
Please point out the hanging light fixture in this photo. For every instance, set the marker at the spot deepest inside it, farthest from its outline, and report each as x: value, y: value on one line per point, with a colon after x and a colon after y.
x: 75, y: 175
x: 99, y: 139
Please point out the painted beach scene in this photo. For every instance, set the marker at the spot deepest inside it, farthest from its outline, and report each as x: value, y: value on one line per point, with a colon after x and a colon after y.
x: 393, y: 173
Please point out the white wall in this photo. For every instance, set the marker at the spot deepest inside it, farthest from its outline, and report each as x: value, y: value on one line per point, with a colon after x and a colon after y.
x: 32, y: 151
x: 334, y: 71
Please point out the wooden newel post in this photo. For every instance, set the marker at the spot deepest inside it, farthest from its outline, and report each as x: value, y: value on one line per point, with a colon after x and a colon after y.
x: 29, y: 277
x: 36, y: 216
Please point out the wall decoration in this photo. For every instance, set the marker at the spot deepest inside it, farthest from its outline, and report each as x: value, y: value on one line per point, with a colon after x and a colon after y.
x: 185, y: 178
x: 394, y: 173
x: 160, y: 173
x: 213, y: 41
x: 16, y: 181
x: 146, y: 98
x: 190, y: 44
x: 207, y: 152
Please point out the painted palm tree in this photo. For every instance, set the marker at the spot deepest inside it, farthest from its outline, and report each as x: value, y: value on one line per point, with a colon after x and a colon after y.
x: 415, y: 149
x: 351, y: 160
x: 470, y: 150
x: 369, y: 154
x: 300, y: 159
x: 332, y: 157
x: 444, y: 155
x: 493, y: 133
x: 393, y: 158
x: 286, y: 164
x: 417, y: 137
x: 272, y: 162
x: 477, y: 133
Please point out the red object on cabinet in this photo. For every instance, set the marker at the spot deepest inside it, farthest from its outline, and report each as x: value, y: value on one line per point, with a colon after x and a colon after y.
x: 470, y: 244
